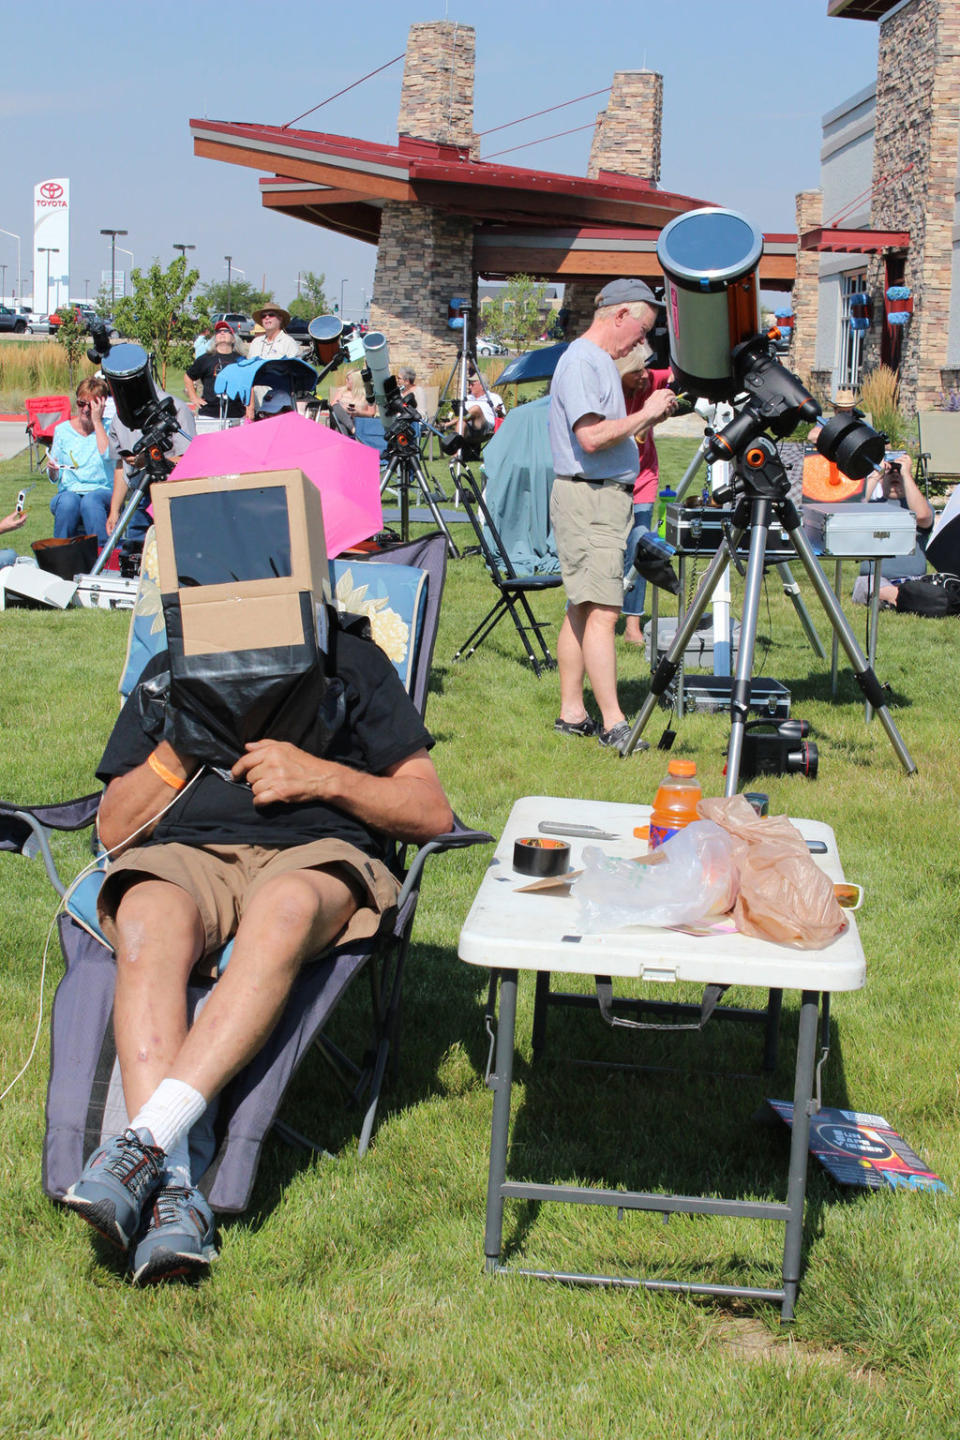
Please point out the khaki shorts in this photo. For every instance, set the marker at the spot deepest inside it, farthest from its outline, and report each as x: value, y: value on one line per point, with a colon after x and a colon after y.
x: 591, y: 521
x: 222, y: 880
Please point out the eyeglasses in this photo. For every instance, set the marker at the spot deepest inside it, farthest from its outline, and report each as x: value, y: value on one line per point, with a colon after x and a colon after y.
x: 83, y: 405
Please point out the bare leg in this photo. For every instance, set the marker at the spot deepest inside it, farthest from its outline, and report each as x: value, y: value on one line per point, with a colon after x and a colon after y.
x: 160, y: 939
x: 633, y: 630
x: 290, y: 919
x: 570, y: 664
x: 600, y: 660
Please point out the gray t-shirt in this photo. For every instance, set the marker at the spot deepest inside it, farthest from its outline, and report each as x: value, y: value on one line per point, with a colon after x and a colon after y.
x: 587, y: 382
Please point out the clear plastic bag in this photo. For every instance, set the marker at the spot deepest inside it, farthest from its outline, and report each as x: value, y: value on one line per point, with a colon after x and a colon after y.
x: 693, y: 876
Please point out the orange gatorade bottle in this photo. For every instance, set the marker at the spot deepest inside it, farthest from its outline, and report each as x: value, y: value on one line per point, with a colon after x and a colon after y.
x: 675, y: 804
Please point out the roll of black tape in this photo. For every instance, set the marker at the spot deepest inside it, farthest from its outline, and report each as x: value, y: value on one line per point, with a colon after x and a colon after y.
x: 540, y: 856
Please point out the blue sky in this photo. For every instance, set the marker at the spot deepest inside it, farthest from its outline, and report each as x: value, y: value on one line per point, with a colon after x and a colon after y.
x: 103, y: 95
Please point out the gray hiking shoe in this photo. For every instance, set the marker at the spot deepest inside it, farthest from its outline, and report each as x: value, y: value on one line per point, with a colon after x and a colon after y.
x: 176, y: 1238
x: 116, y: 1183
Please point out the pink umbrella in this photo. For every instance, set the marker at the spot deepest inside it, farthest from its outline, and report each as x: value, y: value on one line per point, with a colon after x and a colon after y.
x: 346, y: 473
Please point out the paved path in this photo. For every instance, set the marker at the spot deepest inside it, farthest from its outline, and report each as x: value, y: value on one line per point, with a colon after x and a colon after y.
x: 12, y: 438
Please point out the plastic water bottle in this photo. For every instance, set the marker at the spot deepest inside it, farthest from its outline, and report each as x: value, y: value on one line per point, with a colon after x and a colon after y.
x: 675, y: 804
x: 664, y: 498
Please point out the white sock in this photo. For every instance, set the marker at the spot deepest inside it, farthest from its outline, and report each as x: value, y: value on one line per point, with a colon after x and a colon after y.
x: 169, y: 1113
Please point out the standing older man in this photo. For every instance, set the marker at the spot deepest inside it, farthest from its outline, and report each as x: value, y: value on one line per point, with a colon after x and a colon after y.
x: 594, y: 443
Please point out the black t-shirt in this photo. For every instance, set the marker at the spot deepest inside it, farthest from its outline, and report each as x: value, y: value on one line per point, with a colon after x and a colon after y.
x: 206, y: 370
x: 382, y: 727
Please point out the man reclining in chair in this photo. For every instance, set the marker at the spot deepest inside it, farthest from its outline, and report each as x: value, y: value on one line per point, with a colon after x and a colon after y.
x: 287, y: 858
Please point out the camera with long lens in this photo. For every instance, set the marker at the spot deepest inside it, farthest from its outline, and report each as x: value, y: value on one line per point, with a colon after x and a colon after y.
x: 399, y: 414
x: 772, y: 748
x: 710, y: 259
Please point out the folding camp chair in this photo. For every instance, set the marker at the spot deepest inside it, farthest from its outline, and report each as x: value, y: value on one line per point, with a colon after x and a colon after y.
x: 512, y: 524
x: 44, y: 414
x: 939, y: 435
x: 84, y: 1098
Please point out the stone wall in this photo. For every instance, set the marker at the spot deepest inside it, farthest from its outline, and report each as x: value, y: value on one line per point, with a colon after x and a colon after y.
x: 806, y: 288
x: 627, y: 140
x: 436, y: 102
x: 425, y: 256
x: 627, y: 135
x: 914, y: 182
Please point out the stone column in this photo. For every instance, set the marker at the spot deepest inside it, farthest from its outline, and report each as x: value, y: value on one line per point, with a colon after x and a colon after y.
x: 424, y: 255
x: 914, y: 180
x: 627, y: 141
x: 806, y: 289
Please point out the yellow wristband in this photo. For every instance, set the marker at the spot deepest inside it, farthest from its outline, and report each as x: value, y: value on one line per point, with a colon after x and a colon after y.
x: 167, y: 776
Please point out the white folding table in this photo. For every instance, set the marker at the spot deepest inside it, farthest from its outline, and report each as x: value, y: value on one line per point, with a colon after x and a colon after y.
x: 508, y: 931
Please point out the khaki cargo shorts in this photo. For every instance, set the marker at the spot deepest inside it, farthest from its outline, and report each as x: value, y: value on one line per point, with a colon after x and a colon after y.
x: 591, y: 521
x: 222, y: 880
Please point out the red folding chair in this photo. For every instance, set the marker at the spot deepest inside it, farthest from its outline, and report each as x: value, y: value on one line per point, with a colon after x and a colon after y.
x: 44, y: 414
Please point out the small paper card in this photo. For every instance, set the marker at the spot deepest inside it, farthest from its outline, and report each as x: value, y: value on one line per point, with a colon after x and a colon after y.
x: 860, y: 1149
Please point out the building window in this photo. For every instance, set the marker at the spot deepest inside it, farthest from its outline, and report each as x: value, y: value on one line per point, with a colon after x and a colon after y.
x: 851, y: 341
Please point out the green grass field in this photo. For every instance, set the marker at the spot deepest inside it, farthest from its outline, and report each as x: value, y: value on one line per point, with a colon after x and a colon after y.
x: 351, y: 1299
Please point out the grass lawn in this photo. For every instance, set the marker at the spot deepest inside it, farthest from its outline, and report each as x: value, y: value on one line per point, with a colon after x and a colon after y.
x: 351, y: 1299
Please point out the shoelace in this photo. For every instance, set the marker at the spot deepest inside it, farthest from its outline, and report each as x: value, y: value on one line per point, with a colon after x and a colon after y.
x: 134, y: 1158
x: 170, y: 1206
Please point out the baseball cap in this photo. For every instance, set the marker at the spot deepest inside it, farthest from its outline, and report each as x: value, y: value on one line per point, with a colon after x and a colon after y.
x: 627, y: 292
x: 224, y: 325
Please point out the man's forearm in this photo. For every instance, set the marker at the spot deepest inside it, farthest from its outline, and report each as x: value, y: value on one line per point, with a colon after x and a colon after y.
x: 132, y: 804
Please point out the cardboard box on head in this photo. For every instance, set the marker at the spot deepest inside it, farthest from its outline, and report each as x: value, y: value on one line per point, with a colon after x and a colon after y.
x: 244, y: 580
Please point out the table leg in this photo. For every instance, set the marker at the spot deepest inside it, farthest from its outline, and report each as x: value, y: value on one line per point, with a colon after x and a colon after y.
x: 799, y: 1142
x: 835, y: 647
x: 500, y: 1082
x: 873, y: 625
x: 771, y: 1030
x: 541, y: 1007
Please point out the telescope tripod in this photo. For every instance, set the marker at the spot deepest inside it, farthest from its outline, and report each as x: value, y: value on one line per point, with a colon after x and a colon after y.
x: 762, y: 490
x: 405, y: 471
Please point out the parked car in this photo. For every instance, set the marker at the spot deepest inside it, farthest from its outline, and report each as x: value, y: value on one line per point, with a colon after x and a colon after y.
x: 298, y: 329
x: 11, y: 323
x: 85, y: 315
x: 242, y: 324
x: 38, y: 324
x: 490, y: 347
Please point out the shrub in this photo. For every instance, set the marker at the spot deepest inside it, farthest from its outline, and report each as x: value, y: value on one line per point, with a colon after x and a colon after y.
x: 880, y: 398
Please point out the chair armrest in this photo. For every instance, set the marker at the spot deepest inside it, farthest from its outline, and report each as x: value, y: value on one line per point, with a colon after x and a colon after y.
x: 25, y: 829
x: 456, y: 839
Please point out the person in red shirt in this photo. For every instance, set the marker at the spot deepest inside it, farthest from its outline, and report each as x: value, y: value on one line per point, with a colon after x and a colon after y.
x: 639, y: 383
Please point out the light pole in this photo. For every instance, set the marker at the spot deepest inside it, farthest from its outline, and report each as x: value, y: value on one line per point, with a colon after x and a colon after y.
x: 86, y: 289
x: 113, y: 263
x: 229, y: 260
x: 3, y: 282
x: 130, y: 253
x: 48, y: 250
x: 17, y: 238
x: 184, y: 248
x: 342, y: 283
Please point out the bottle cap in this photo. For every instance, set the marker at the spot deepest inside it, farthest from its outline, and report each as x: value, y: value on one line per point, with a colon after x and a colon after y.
x: 682, y: 767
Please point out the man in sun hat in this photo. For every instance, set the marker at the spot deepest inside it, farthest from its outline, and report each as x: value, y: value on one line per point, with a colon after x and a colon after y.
x: 273, y: 344
x: 594, y: 444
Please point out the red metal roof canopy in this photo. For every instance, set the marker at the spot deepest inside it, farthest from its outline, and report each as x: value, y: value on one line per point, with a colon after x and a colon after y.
x: 834, y: 241
x: 549, y: 225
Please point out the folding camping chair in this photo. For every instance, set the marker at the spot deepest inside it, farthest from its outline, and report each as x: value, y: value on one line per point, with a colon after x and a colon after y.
x: 84, y: 1098
x: 44, y: 414
x: 519, y: 551
x: 939, y: 435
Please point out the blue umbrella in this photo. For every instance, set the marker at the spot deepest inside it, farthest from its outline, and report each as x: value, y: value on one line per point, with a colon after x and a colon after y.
x: 535, y: 365
x: 237, y: 379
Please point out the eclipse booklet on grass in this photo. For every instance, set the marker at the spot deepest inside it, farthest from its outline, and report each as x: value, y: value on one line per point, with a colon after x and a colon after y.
x: 859, y: 1149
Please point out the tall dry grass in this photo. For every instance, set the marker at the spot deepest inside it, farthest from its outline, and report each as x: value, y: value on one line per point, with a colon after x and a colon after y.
x: 35, y: 369
x: 880, y: 398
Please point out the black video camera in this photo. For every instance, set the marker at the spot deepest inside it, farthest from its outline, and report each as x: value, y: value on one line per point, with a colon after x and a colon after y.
x: 778, y: 748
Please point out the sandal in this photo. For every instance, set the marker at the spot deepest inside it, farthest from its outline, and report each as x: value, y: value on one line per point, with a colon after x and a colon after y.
x: 583, y: 728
